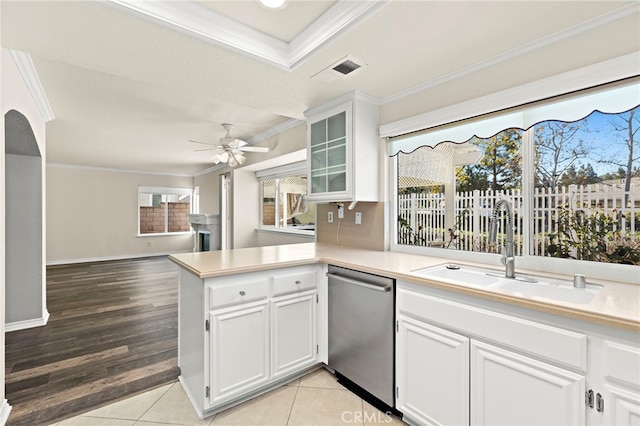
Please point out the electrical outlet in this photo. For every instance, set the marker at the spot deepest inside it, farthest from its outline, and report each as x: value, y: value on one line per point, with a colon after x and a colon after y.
x: 330, y: 217
x: 340, y: 212
x: 358, y: 218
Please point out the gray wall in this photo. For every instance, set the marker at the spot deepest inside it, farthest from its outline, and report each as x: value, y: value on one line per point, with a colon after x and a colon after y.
x: 24, y: 274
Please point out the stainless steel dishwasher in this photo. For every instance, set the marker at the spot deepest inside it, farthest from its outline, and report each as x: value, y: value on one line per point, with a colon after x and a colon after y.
x: 361, y: 333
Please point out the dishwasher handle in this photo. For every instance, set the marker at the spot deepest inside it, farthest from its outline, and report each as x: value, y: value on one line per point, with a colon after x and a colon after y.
x: 375, y: 287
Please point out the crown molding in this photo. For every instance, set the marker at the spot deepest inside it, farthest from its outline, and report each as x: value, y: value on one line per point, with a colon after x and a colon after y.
x: 111, y: 169
x: 30, y: 77
x: 275, y: 130
x: 550, y: 39
x: 198, y: 21
x: 208, y: 170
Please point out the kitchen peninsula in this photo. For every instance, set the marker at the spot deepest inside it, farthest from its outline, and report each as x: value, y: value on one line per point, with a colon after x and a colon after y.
x: 252, y: 319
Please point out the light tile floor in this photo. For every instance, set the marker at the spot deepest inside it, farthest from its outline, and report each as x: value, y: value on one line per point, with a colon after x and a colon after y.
x: 316, y: 399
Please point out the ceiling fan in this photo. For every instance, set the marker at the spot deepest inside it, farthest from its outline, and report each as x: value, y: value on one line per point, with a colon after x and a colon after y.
x: 230, y: 149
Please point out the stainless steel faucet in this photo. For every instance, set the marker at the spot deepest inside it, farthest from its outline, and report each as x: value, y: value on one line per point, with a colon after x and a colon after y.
x: 508, y: 257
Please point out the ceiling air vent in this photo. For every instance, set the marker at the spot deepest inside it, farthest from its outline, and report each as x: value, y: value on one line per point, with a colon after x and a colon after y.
x: 337, y: 70
x: 346, y: 67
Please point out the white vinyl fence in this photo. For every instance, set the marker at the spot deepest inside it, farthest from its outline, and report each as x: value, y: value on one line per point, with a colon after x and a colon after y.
x: 425, y: 215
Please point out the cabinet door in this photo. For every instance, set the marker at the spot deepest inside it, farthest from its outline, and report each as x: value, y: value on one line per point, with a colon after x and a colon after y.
x: 620, y: 376
x: 328, y: 144
x: 622, y: 406
x: 511, y: 389
x: 432, y: 374
x: 293, y: 333
x: 239, y: 355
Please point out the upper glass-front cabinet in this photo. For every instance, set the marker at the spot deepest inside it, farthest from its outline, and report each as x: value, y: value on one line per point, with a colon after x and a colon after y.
x: 328, y: 139
x: 342, y: 142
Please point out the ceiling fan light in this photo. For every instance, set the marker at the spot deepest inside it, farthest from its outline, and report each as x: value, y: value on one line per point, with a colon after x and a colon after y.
x: 241, y: 159
x: 216, y: 158
x: 224, y: 157
x: 232, y: 162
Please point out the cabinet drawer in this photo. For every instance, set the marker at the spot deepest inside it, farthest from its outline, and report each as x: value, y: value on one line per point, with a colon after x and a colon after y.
x: 283, y: 284
x: 232, y: 293
x: 558, y: 345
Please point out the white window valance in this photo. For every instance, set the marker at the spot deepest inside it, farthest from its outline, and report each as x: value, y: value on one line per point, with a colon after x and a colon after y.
x: 567, y: 108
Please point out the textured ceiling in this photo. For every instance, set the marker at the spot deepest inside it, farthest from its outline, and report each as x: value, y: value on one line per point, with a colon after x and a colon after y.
x: 283, y: 24
x: 128, y: 92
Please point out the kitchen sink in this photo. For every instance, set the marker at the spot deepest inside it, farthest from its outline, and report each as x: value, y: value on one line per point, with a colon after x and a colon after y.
x: 521, y: 285
x: 553, y: 289
x: 462, y: 275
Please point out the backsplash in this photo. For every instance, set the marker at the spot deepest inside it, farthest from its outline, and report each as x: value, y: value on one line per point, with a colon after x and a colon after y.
x: 344, y: 232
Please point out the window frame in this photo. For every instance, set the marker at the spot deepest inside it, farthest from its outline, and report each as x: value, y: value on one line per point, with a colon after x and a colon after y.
x: 277, y: 173
x: 597, y: 270
x: 154, y: 190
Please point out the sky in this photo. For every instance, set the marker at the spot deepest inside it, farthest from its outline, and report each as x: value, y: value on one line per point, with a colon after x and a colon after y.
x: 606, y: 143
x: 603, y: 142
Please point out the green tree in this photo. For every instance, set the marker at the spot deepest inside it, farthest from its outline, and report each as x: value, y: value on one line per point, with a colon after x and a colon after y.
x: 569, y: 177
x: 585, y: 175
x: 620, y: 174
x: 502, y: 161
x: 471, y: 177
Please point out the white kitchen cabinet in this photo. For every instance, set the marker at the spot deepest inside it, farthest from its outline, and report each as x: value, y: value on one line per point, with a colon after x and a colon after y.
x: 622, y: 407
x: 445, y: 378
x: 242, y: 335
x: 432, y: 374
x: 239, y: 350
x: 293, y: 332
x: 512, y: 389
x: 458, y: 363
x: 615, y: 383
x: 343, y: 150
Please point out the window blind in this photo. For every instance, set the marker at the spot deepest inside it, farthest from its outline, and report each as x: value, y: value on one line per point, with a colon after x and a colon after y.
x: 567, y: 108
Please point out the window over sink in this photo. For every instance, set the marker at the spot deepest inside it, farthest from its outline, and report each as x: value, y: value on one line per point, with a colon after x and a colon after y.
x: 569, y: 166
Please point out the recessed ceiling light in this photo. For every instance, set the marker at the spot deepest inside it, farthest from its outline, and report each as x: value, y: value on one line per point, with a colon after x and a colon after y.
x: 273, y: 4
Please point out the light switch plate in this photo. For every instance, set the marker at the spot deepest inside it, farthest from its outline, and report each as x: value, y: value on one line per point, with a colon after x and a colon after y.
x: 330, y: 217
x: 358, y: 218
x: 340, y: 212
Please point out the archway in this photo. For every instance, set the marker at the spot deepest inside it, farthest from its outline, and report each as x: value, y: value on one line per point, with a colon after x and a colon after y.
x: 24, y: 293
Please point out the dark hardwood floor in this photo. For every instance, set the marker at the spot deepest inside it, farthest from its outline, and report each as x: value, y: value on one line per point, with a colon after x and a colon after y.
x: 112, y: 332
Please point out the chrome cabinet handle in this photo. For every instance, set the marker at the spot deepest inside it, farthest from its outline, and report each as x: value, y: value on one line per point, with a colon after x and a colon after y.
x: 242, y: 293
x: 588, y: 398
x: 599, y: 403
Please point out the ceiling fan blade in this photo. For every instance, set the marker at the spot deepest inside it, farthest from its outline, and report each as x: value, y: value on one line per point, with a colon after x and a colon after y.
x: 254, y: 149
x: 236, y: 143
x: 205, y: 149
x: 203, y: 143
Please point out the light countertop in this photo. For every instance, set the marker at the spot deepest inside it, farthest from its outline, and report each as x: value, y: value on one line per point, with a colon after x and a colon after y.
x: 616, y: 305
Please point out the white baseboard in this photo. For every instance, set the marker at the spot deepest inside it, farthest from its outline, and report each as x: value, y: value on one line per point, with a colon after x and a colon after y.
x: 31, y: 323
x: 5, y: 409
x: 107, y: 258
